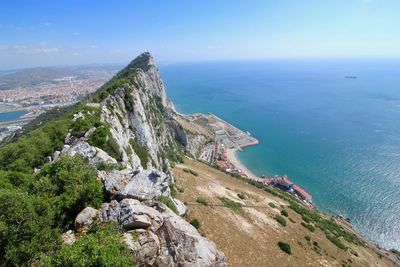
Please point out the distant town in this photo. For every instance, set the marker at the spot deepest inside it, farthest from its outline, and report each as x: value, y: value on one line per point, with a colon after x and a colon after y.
x: 25, y: 94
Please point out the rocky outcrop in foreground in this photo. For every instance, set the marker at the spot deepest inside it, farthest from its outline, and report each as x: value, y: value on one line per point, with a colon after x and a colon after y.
x: 140, y: 119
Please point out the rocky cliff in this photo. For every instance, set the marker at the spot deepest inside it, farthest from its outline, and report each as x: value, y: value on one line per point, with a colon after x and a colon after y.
x: 130, y: 135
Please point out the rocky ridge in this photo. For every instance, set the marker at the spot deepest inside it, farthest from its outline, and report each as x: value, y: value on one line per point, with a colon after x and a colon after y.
x: 135, y: 110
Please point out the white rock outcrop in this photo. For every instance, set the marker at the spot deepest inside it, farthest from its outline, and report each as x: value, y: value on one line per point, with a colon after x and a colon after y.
x: 182, y: 245
x: 85, y: 219
x: 142, y: 185
x: 131, y: 214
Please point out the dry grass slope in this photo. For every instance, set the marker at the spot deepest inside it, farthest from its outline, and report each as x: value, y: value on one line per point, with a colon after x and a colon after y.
x: 248, y: 233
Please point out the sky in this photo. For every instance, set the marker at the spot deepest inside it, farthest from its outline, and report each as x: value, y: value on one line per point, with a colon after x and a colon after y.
x: 45, y: 33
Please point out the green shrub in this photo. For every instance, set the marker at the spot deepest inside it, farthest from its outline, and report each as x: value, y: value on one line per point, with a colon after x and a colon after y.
x: 31, y: 150
x: 280, y: 220
x: 104, y: 247
x: 25, y: 227
x: 73, y: 185
x: 235, y: 206
x: 241, y: 195
x: 284, y: 213
x: 141, y: 151
x: 337, y: 242
x: 285, y: 247
x: 308, y: 238
x: 202, y: 201
x: 308, y: 226
x: 272, y: 205
x: 195, y: 223
x: 168, y: 202
x: 190, y: 171
x: 305, y: 218
x: 173, y: 191
x: 327, y: 226
x: 103, y: 139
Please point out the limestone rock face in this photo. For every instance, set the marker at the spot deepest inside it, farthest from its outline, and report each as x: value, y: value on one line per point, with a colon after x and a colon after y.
x: 142, y: 185
x: 180, y: 207
x: 110, y: 211
x: 93, y: 155
x: 145, y: 246
x: 131, y: 214
x: 142, y: 122
x: 85, y: 219
x: 182, y: 245
x: 140, y: 112
x: 134, y: 215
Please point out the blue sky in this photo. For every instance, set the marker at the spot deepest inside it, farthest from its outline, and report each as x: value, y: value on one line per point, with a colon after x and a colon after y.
x: 40, y: 33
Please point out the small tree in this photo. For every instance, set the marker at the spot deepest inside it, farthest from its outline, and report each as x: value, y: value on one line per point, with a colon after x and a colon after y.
x: 195, y: 223
x: 285, y: 247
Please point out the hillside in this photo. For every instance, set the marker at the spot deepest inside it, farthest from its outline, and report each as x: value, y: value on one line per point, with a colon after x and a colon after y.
x: 248, y: 232
x: 103, y: 183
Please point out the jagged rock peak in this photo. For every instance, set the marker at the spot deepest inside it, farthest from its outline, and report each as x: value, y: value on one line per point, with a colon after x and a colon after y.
x: 144, y: 61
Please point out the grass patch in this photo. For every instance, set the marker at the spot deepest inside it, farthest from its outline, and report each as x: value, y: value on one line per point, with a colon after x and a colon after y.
x: 272, y: 205
x: 284, y: 213
x: 195, y: 223
x: 235, y: 206
x: 328, y: 226
x: 202, y: 201
x: 337, y: 242
x: 192, y: 172
x: 280, y: 220
x: 173, y: 191
x: 285, y: 247
x: 141, y: 151
x: 241, y: 195
x: 308, y: 226
x: 168, y: 202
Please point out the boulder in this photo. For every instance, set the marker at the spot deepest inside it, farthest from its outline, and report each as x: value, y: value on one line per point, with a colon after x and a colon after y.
x: 135, y: 215
x: 85, y: 219
x: 144, y: 245
x: 68, y: 237
x: 102, y: 157
x: 131, y: 214
x: 79, y: 148
x: 182, y: 245
x: 93, y: 155
x: 143, y: 185
x: 110, y: 211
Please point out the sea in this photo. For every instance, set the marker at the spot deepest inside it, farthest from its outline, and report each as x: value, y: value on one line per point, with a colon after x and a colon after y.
x: 11, y: 116
x: 331, y: 125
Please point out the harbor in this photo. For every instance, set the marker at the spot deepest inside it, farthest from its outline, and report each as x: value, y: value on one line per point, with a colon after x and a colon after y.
x: 227, y: 141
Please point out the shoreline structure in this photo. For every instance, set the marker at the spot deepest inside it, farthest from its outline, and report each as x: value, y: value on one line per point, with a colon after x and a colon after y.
x: 225, y: 141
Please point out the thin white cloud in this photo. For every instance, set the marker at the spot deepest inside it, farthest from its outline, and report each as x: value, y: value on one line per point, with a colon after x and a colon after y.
x: 76, y: 33
x: 30, y: 50
x: 93, y: 46
x: 48, y: 24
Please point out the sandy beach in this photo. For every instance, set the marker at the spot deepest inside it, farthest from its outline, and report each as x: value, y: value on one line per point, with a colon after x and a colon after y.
x: 232, y: 157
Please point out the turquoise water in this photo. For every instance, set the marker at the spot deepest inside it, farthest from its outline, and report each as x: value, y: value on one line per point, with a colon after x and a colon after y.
x: 337, y: 138
x: 10, y: 116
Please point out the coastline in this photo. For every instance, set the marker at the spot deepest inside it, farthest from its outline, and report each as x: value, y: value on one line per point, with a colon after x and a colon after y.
x: 234, y: 159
